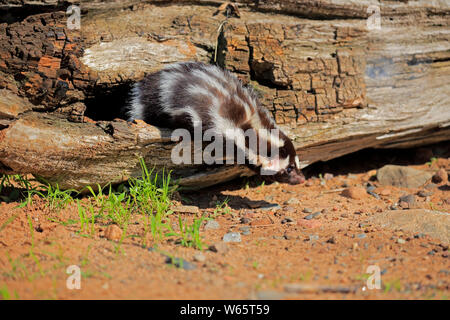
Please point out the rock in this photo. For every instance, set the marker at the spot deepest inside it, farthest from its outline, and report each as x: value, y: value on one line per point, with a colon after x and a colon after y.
x: 433, y: 223
x: 271, y: 207
x: 199, y: 257
x: 408, y: 201
x: 180, y: 263
x: 401, y: 241
x: 400, y: 176
x: 361, y: 236
x: 311, y: 224
x: 245, y: 230
x: 313, y: 237
x: 373, y: 194
x: 440, y: 176
x: 232, y: 237
x: 113, y: 232
x: 312, y: 216
x: 424, y: 193
x: 292, y: 201
x: 219, y: 247
x: 356, y: 193
x: 245, y: 220
x: 307, y: 210
x: 287, y: 220
x: 382, y: 191
x: 186, y: 209
x: 212, y: 225
x: 332, y: 240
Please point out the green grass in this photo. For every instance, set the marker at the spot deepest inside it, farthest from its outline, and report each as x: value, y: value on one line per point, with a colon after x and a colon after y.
x: 392, y: 284
x: 222, y: 208
x: 432, y: 161
x: 189, y: 234
x: 147, y: 197
x: 87, y: 224
x: 55, y: 198
x: 150, y: 196
x: 6, y: 295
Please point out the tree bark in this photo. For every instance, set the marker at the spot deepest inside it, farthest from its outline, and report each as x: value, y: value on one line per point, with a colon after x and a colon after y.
x: 333, y: 80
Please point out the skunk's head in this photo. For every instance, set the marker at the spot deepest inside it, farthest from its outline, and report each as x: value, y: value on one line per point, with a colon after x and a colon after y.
x: 284, y: 167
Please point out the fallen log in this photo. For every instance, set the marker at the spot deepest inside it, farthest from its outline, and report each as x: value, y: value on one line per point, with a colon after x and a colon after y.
x: 335, y: 83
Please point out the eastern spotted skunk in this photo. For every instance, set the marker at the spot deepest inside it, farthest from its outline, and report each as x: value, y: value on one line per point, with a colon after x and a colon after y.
x: 186, y: 94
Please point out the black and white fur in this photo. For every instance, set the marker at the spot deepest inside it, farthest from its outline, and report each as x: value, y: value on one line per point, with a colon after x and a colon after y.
x: 183, y: 94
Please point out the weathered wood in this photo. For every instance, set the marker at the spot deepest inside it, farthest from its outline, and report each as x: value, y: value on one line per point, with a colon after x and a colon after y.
x: 333, y: 84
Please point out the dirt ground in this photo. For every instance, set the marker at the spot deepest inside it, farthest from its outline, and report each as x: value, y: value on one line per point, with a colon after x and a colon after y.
x: 281, y: 255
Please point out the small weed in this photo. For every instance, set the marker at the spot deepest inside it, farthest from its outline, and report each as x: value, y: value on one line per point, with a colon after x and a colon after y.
x: 432, y: 161
x: 393, y: 284
x: 56, y: 198
x: 5, y: 295
x: 189, y: 234
x: 87, y: 224
x: 222, y: 208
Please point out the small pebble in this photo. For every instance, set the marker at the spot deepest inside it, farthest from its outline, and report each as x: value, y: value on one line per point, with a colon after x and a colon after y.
x: 307, y: 210
x: 245, y: 220
x: 312, y: 216
x: 212, y: 225
x: 361, y: 236
x: 271, y: 207
x: 356, y: 193
x: 199, y: 257
x: 410, y: 199
x: 245, y: 230
x: 232, y: 237
x: 113, y: 232
x: 401, y: 241
x: 373, y: 194
x: 424, y: 194
x: 180, y: 263
x: 331, y: 240
x: 287, y: 220
x: 292, y: 201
